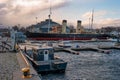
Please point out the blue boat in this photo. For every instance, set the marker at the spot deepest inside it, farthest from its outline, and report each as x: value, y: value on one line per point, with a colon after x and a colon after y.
x: 43, y: 59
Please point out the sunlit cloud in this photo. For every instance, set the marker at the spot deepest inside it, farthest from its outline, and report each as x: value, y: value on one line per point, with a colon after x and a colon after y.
x: 23, y: 12
x: 97, y: 14
x: 98, y: 18
x: 16, y: 11
x: 110, y: 22
x: 87, y: 1
x: 3, y: 1
x: 104, y: 23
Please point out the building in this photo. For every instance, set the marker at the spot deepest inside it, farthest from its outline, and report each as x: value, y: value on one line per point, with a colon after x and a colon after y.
x: 4, y: 32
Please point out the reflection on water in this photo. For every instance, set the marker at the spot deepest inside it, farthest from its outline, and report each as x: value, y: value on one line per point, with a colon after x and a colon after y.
x: 89, y: 65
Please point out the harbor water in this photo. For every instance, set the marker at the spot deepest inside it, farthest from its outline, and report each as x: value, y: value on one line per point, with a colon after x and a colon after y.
x: 89, y: 65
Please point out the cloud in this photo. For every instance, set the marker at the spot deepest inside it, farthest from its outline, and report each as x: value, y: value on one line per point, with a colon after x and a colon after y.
x: 110, y: 22
x: 100, y: 19
x: 24, y: 7
x: 97, y: 14
x: 23, y: 12
x: 104, y: 22
x: 3, y: 1
x: 88, y: 1
x: 2, y: 5
x: 20, y: 9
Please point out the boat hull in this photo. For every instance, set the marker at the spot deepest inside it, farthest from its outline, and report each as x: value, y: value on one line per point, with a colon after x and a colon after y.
x: 70, y: 36
x: 50, y: 66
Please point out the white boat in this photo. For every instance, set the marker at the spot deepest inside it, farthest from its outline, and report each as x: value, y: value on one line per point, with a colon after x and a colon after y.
x: 64, y: 44
x: 114, y: 40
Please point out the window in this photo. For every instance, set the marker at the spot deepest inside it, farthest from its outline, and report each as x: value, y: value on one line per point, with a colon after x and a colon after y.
x: 46, y: 52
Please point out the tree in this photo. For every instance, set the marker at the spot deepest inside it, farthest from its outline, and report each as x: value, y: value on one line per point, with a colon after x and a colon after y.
x: 15, y: 28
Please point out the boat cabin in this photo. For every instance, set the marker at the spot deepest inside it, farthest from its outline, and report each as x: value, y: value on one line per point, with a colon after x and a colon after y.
x: 43, y: 54
x: 39, y: 53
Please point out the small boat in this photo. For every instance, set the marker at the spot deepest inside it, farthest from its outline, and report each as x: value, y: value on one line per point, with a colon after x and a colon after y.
x: 44, y: 60
x: 113, y: 39
x: 64, y: 44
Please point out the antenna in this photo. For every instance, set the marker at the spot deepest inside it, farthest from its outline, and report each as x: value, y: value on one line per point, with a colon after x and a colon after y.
x: 92, y: 19
x: 50, y: 8
x: 49, y: 16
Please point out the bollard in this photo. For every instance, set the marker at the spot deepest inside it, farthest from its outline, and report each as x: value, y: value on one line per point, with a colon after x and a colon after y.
x: 26, y: 73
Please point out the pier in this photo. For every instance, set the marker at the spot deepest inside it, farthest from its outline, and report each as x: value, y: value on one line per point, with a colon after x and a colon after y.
x: 112, y: 47
x: 92, y: 49
x: 12, y: 63
x: 70, y: 51
x: 75, y: 50
x: 24, y: 64
x: 58, y: 49
x: 8, y: 65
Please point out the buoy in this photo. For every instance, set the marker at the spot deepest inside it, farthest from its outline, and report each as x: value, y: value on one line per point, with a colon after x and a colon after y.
x: 26, y: 73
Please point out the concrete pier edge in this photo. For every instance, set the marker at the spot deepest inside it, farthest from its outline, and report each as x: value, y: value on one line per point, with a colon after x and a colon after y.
x: 18, y: 74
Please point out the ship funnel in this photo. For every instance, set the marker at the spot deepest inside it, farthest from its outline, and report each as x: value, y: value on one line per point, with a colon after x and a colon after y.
x: 64, y: 25
x: 79, y: 27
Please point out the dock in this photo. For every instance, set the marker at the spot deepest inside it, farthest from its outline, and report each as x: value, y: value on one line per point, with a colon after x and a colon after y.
x: 58, y: 49
x: 11, y: 65
x: 8, y: 65
x: 93, y: 49
x: 70, y: 51
x: 112, y: 47
x: 23, y: 64
x: 75, y: 50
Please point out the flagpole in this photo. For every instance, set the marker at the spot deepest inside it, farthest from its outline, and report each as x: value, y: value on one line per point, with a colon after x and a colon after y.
x: 49, y: 16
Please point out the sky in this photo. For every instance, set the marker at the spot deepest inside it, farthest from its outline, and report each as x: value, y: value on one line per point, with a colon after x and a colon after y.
x: 24, y: 12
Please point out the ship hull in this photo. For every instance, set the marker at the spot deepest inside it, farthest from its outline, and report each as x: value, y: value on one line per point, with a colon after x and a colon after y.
x: 56, y: 36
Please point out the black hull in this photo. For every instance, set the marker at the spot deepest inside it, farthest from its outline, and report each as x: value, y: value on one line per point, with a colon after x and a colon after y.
x: 57, y: 36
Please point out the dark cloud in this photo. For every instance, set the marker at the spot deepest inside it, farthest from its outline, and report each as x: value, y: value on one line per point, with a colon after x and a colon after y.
x: 3, y: 12
x: 2, y: 5
x: 2, y: 9
x: 63, y: 4
x: 17, y: 11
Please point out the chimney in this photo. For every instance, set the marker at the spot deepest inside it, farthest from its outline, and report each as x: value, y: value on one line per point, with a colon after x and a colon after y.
x: 78, y: 26
x: 64, y: 25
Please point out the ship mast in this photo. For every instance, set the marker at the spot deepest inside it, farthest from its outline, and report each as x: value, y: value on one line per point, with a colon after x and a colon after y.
x: 49, y: 16
x: 92, y: 20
